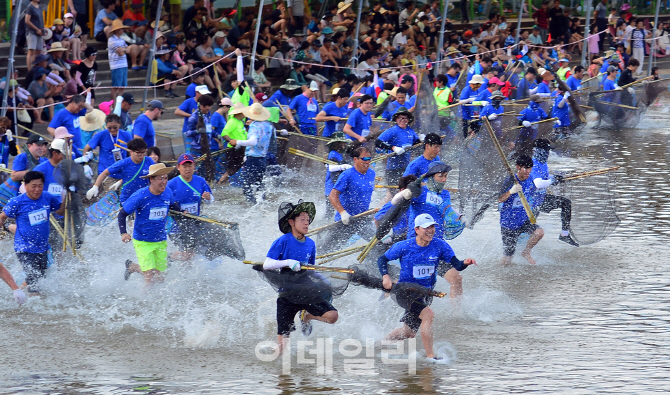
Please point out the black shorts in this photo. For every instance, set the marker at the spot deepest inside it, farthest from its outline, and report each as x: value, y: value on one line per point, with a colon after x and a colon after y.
x: 413, y: 305
x: 235, y: 160
x: 35, y: 266
x: 510, y: 236
x: 287, y: 310
x: 82, y: 21
x: 101, y: 36
x: 443, y: 267
x: 393, y: 176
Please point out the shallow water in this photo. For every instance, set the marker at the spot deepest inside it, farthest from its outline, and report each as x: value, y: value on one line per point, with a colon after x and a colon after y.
x: 584, y: 320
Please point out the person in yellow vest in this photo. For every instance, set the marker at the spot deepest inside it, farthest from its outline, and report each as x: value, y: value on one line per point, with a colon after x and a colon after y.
x: 564, y: 69
x: 442, y: 93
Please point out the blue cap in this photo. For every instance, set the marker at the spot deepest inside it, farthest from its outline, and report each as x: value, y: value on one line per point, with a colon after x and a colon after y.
x: 156, y: 104
x: 183, y: 158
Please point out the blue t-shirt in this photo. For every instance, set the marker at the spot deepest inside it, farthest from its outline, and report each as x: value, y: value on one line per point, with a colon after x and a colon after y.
x: 469, y: 111
x: 306, y: 109
x: 512, y: 213
x: 605, y: 66
x: 355, y: 191
x: 419, y: 264
x: 189, y: 195
x: 399, y: 137
x: 451, y: 84
x: 360, y: 123
x: 332, y: 110
x: 419, y: 166
x: 540, y: 170
x: 21, y: 162
x: 488, y: 110
x: 52, y: 180
x: 435, y: 204
x: 4, y: 151
x: 218, y: 122
x: 401, y: 227
x: 543, y: 88
x: 151, y: 214
x: 562, y: 113
x: 189, y: 105
x: 573, y: 83
x: 277, y: 96
x: 532, y: 113
x: 127, y: 169
x: 522, y: 89
x: 99, y: 25
x: 190, y: 90
x: 288, y: 247
x: 393, y: 108
x: 71, y: 122
x: 32, y: 221
x: 144, y: 128
x: 608, y: 85
x: 337, y: 157
x: 106, y: 142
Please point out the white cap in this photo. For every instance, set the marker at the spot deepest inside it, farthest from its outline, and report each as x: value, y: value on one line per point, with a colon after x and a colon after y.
x: 202, y: 89
x: 424, y: 221
x: 313, y: 86
x: 58, y: 145
x: 219, y: 34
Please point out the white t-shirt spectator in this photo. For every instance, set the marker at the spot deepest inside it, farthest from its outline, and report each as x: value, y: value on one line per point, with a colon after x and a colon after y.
x: 116, y: 61
x: 399, y: 40
x: 297, y: 7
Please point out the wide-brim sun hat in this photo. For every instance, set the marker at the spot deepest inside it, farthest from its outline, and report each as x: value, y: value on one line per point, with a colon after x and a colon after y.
x: 477, y: 79
x: 342, y: 6
x: 238, y: 108
x: 118, y: 24
x: 256, y: 112
x: 436, y: 168
x: 403, y: 111
x: 289, y: 210
x: 93, y: 120
x: 338, y: 137
x: 497, y: 94
x: 158, y: 169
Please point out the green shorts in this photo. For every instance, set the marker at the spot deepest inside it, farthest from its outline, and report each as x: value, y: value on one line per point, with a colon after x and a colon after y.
x: 151, y: 255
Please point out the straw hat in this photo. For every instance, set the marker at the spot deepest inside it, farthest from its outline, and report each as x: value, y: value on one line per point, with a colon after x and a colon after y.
x: 384, y: 71
x: 118, y: 24
x: 160, y: 24
x: 57, y: 46
x: 342, y: 6
x: 158, y: 169
x: 451, y: 50
x: 93, y: 120
x: 238, y: 108
x: 256, y: 112
x: 58, y: 21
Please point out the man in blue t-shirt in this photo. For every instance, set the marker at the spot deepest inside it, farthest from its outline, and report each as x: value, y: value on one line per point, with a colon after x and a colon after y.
x: 187, y: 108
x: 432, y: 145
x: 31, y: 211
x: 109, y: 141
x: 27, y: 160
x: 513, y: 218
x: 129, y: 170
x: 398, y: 139
x: 333, y: 113
x: 69, y: 118
x: 306, y: 107
x: 143, y: 127
x: 291, y: 251
x: 360, y: 120
x: 151, y: 206
x: 420, y: 259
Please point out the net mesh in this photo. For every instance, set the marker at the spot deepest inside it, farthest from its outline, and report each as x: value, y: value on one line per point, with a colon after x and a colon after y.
x: 619, y: 109
x: 104, y: 210
x: 209, y: 239
x: 306, y: 286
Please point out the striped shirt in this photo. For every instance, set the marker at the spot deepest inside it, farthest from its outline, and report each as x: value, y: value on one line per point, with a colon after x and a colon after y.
x: 116, y: 61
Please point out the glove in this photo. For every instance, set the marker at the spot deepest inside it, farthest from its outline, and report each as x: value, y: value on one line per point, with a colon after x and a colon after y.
x: 116, y: 185
x: 618, y: 88
x: 89, y: 154
x: 422, y: 137
x: 525, y: 124
x: 19, y: 296
x: 345, y: 217
x: 83, y: 159
x: 532, y: 91
x: 407, y: 194
x: 9, y: 135
x: 398, y: 150
x: 93, y: 192
x: 566, y: 95
x: 415, y: 188
x: 492, y: 117
x: 388, y: 239
x: 558, y: 122
x: 557, y: 180
x: 2, y: 165
x: 293, y: 265
x: 464, y: 221
x: 515, y: 189
x: 88, y: 172
x: 284, y: 132
x: 630, y: 90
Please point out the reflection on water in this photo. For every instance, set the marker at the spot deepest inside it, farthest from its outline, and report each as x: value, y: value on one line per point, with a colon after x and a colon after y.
x: 584, y: 320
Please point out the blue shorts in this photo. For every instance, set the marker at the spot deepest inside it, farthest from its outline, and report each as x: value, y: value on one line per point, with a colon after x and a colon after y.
x: 120, y: 77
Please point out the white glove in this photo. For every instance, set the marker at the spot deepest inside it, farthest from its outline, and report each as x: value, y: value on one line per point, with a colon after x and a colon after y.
x: 388, y: 239
x: 422, y: 137
x: 88, y: 172
x: 464, y: 221
x: 345, y: 217
x: 566, y: 95
x: 332, y: 168
x: 83, y: 159
x: 515, y: 189
x: 618, y: 88
x: 293, y: 265
x: 525, y: 124
x: 630, y: 90
x: 492, y: 117
x: 558, y: 122
x: 532, y: 91
x: 398, y: 150
x: 9, y: 136
x: 116, y: 185
x: 2, y: 165
x: 407, y: 194
x: 93, y: 192
x: 89, y: 155
x: 19, y: 296
x: 284, y: 132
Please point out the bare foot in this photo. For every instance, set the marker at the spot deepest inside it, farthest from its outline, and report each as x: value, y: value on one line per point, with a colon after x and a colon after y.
x: 526, y: 254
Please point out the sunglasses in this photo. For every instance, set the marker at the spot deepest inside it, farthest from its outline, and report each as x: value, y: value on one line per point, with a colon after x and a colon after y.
x: 365, y: 158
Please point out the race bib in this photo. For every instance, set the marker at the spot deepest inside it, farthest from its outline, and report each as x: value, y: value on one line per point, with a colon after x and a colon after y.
x: 423, y: 271
x: 311, y: 107
x: 434, y: 199
x: 365, y: 132
x: 55, y: 189
x: 75, y: 123
x: 38, y: 217
x: 191, y: 208
x: 157, y: 213
x: 208, y: 127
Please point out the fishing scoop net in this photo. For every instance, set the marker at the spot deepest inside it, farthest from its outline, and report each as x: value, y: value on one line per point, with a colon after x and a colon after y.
x: 426, y: 118
x: 652, y: 91
x: 208, y: 239
x: 305, y: 286
x: 618, y: 109
x: 71, y: 176
x: 593, y: 206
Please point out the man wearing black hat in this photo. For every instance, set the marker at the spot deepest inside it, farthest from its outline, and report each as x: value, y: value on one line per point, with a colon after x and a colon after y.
x: 397, y: 139
x: 432, y: 145
x: 293, y: 250
x: 126, y: 104
x: 32, y: 156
